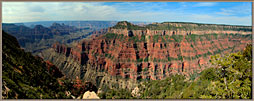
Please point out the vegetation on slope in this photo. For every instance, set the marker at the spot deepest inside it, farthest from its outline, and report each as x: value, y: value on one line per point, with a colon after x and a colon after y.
x: 116, y: 94
x: 28, y: 77
x: 25, y: 76
x: 229, y: 78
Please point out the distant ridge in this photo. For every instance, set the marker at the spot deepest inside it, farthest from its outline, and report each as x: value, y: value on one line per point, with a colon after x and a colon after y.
x: 186, y: 26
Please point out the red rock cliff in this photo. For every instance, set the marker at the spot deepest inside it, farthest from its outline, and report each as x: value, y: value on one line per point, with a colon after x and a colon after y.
x: 153, y: 54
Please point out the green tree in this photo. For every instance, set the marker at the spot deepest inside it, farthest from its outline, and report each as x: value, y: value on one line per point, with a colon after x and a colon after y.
x: 235, y: 75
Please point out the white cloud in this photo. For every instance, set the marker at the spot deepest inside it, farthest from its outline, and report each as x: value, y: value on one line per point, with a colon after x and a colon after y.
x: 232, y: 20
x: 59, y: 11
x: 204, y: 4
x: 244, y: 9
x: 21, y: 12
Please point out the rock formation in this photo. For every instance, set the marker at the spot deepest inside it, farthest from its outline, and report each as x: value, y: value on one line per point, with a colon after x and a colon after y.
x: 90, y: 95
x: 135, y: 92
x: 133, y: 52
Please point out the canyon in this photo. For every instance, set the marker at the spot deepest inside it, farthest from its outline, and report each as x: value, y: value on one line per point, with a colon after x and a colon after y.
x: 125, y: 54
x: 37, y: 38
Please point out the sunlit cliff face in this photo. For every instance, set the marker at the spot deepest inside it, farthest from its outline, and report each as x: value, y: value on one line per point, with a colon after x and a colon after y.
x: 140, y: 53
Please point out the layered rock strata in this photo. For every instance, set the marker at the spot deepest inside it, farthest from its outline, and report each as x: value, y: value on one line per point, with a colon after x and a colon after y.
x: 128, y: 53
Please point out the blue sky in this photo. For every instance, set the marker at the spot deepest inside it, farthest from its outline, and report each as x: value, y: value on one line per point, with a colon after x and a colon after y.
x: 234, y: 13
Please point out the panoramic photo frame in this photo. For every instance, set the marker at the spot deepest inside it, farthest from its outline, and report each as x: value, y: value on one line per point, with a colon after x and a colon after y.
x: 136, y: 47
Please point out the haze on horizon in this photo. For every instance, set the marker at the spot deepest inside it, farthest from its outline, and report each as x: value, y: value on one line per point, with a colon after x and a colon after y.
x: 231, y: 13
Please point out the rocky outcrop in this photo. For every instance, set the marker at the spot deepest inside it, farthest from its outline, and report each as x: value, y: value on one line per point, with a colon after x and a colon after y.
x: 135, y: 92
x: 168, y: 28
x: 69, y: 66
x: 90, y: 95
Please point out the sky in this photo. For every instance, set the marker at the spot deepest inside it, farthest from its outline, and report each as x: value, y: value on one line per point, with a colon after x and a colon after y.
x: 232, y: 13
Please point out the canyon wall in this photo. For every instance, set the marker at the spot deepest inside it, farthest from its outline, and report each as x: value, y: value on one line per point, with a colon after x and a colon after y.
x: 173, y: 28
x: 170, y: 32
x: 31, y: 35
x: 148, y: 59
x: 121, y: 54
